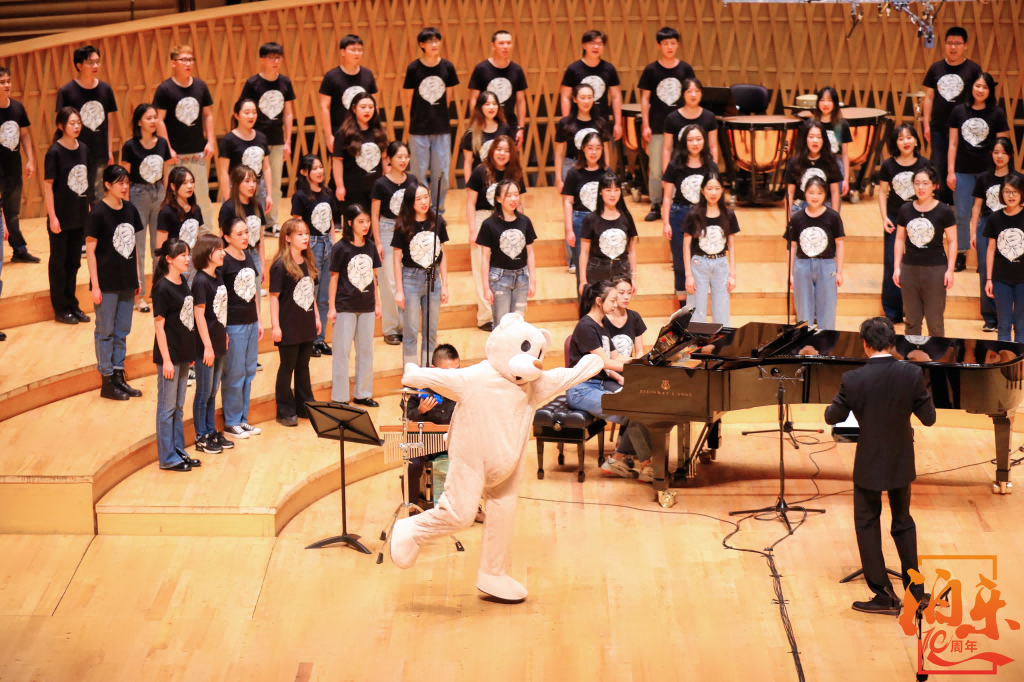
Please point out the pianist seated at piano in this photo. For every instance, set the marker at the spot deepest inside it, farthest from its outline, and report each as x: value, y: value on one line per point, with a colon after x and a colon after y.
x: 626, y: 330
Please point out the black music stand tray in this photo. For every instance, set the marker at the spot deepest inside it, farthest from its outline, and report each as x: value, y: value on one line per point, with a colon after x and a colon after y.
x: 341, y: 422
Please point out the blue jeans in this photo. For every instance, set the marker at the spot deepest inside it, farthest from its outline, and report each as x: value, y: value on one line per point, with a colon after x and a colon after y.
x: 963, y: 198
x: 711, y: 274
x: 814, y: 290
x: 676, y: 217
x: 239, y: 371
x: 418, y: 304
x: 892, y: 295
x: 204, y: 405
x: 147, y: 199
x: 113, y: 324
x: 587, y: 397
x: 988, y: 304
x: 510, y: 289
x: 433, y: 152
x: 390, y: 315
x: 577, y: 229
x: 170, y: 411
x: 1010, y: 307
x: 567, y: 165
x: 321, y: 245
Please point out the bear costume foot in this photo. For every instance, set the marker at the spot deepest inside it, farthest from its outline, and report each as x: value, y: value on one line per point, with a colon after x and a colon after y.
x: 404, y: 550
x: 501, y: 587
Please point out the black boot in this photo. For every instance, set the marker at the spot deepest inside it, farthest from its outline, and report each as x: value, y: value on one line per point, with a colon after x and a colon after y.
x: 112, y: 391
x: 120, y: 382
x: 961, y: 262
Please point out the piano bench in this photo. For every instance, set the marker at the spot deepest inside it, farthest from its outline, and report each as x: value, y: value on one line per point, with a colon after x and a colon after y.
x: 557, y: 423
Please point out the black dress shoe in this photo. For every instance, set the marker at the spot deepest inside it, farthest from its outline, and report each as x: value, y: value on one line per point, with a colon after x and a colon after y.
x: 80, y: 316
x: 3, y: 337
x: 180, y: 466
x: 322, y: 347
x: 487, y: 327
x: 393, y: 339
x: 314, y: 352
x: 961, y: 262
x: 23, y: 257
x: 366, y: 402
x: 655, y: 214
x: 192, y: 461
x: 880, y: 604
x: 288, y: 421
x: 66, y: 318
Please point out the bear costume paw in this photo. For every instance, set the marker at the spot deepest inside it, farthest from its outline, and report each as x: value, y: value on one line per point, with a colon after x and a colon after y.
x: 404, y: 549
x: 501, y: 587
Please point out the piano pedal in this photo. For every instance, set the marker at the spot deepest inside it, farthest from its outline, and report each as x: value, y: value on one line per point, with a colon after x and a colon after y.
x: 666, y: 498
x: 707, y: 456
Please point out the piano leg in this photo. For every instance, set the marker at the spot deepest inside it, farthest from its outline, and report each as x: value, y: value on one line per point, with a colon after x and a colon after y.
x: 1003, y: 430
x: 659, y: 456
x: 683, y: 449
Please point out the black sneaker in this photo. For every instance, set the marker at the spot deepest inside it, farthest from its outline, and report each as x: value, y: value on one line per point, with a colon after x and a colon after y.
x: 366, y: 402
x: 961, y: 262
x: 79, y: 315
x: 208, y: 445
x: 989, y: 327
x: 880, y: 604
x: 655, y: 214
x: 288, y: 421
x: 259, y: 367
x: 23, y: 257
x: 323, y: 348
x: 224, y: 442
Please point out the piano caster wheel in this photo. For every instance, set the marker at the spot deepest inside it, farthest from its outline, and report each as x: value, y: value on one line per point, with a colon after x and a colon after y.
x: 666, y: 498
x: 854, y: 197
x: 540, y: 474
x: 600, y: 460
x: 705, y: 456
x: 580, y: 476
x: 1002, y: 488
x: 561, y: 459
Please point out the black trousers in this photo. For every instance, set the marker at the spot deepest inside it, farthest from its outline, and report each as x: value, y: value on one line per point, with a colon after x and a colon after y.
x: 294, y: 362
x: 10, y: 190
x: 65, y: 260
x: 867, y: 510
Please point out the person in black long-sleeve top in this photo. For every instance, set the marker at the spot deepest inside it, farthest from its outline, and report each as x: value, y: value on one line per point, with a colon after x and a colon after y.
x: 882, y: 395
x: 430, y: 409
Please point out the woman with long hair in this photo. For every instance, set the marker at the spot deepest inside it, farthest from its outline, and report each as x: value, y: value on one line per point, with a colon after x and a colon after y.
x: 608, y: 237
x: 248, y: 147
x: 180, y: 216
x: 579, y: 191
x: 1003, y: 258
x: 485, y: 123
x: 813, y: 158
x: 506, y: 242
x: 837, y: 130
x: 243, y: 204
x: 816, y: 237
x: 210, y: 303
x: 691, y: 112
x: 583, y: 118
x: 709, y: 253
x: 988, y: 188
x: 359, y: 147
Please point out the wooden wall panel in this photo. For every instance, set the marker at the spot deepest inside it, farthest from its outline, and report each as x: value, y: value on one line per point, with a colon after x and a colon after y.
x: 790, y: 48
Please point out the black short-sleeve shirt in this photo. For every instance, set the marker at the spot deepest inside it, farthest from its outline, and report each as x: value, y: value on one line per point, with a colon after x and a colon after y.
x: 69, y: 170
x: 977, y: 131
x: 686, y: 182
x: 248, y: 153
x: 623, y: 339
x: 342, y: 88
x: 581, y: 185
x: 815, y: 237
x: 1008, y: 231
x: 361, y: 171
x: 716, y: 235
x: 485, y: 141
x: 416, y: 251
x: 830, y: 173
x: 319, y: 210
x: 504, y: 83
x: 145, y: 166
x: 175, y: 304
x: 184, y: 118
x: 989, y: 187
x: 12, y: 119
x: 270, y: 98
x: 255, y: 219
x: 391, y: 194
x: 666, y: 88
x: 952, y: 85
x: 187, y: 229
x: 589, y: 335
x: 601, y: 78
x: 924, y: 233
x: 484, y: 190
x: 609, y: 239
x: 94, y: 106
x: 211, y: 293
x: 429, y: 85
x: 675, y: 122
x: 507, y: 240
x: 242, y: 282
x: 297, y: 304
x: 355, y: 266
x: 901, y: 181
x: 114, y: 231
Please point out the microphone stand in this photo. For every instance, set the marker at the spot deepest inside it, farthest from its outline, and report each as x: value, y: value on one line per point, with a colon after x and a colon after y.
x: 431, y: 276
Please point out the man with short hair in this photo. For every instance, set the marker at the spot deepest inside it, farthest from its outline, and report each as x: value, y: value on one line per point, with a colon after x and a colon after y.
x: 184, y: 108
x: 506, y: 79
x: 15, y: 136
x: 273, y: 95
x: 882, y: 395
x: 341, y: 84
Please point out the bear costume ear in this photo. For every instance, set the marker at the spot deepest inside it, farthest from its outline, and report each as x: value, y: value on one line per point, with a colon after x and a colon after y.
x: 547, y: 341
x: 509, y: 319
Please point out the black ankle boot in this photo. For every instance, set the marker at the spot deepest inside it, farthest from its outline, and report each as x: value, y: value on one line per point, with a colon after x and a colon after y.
x: 121, y: 383
x: 111, y: 391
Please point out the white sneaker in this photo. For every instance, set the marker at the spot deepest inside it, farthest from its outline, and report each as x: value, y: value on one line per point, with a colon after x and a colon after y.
x: 236, y: 431
x: 263, y: 293
x: 251, y: 430
x: 191, y: 376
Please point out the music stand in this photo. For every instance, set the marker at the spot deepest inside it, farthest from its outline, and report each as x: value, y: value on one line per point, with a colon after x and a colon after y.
x: 341, y: 422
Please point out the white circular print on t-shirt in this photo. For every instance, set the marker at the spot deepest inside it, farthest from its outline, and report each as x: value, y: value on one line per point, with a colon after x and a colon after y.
x: 813, y: 240
x: 254, y: 223
x: 369, y: 156
x: 124, y: 239
x: 322, y: 217
x: 974, y: 130
x: 350, y: 94
x: 833, y: 141
x: 669, y: 91
x: 151, y: 168
x: 10, y: 135
x: 420, y: 249
x: 484, y: 148
x: 580, y: 134
x: 92, y: 115
x: 916, y: 339
x: 187, y: 110
x: 395, y: 203
x: 502, y: 88
x: 812, y: 173
x: 713, y: 242
x: 272, y: 103
x: 512, y: 242
x: 188, y: 313
x: 903, y: 185
x: 220, y: 304
x: 613, y: 243
x: 1011, y: 243
x: 588, y: 195
x: 597, y: 83
x: 189, y: 232
x: 993, y: 199
x: 950, y: 86
x: 690, y: 188
x: 303, y: 293
x: 252, y: 158
x: 432, y: 89
x: 78, y: 179
x: 245, y: 284
x: 489, y: 194
x: 920, y: 231
x: 360, y: 271
x: 623, y: 344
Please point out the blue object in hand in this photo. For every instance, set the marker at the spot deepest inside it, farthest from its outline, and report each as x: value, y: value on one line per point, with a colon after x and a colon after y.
x: 424, y: 394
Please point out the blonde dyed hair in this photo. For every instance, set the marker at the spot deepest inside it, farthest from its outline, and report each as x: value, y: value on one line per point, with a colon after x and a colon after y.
x: 284, y: 250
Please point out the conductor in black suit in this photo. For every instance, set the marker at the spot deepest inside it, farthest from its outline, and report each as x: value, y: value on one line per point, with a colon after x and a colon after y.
x: 882, y: 395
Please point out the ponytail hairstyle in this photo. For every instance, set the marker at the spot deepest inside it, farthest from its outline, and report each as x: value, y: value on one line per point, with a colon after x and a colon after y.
x: 349, y: 131
x: 698, y: 214
x: 405, y: 223
x: 687, y: 82
x: 581, y: 158
x: 172, y: 248
x: 681, y: 151
x: 306, y: 164
x: 478, y: 120
x: 933, y: 175
x: 513, y: 170
x: 894, y: 147
x: 621, y: 277
x: 63, y: 116
x: 137, y: 115
x: 238, y: 109
x: 837, y: 113
x: 113, y: 174
x: 499, y: 194
x: 284, y: 251
x: 1013, y: 180
x: 990, y: 101
x: 801, y: 162
x: 205, y: 246
x: 816, y: 182
x: 1007, y: 147
x: 352, y: 212
x: 598, y: 119
x: 592, y: 293
x: 240, y: 174
x: 393, y: 148
x: 178, y: 176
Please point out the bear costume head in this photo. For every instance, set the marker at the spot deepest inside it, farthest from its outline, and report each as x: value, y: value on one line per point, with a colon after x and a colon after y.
x: 515, y: 349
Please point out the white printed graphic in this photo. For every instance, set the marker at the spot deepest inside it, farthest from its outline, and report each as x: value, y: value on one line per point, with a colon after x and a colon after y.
x: 669, y: 91
x: 833, y: 141
x: 272, y: 103
x: 369, y: 156
x: 350, y: 94
x: 187, y: 110
x: 588, y: 195
x: 254, y: 224
x: 512, y: 242
x: 690, y: 188
x: 124, y: 239
x: 220, y: 304
x: 974, y: 131
x: 189, y: 232
x: 322, y: 217
x: 245, y: 284
x: 813, y: 240
x: 597, y: 84
x: 812, y: 173
x: 580, y: 134
x: 502, y: 88
x: 613, y: 243
x: 921, y: 232
x: 78, y: 180
x: 395, y: 204
x: 1011, y: 243
x: 303, y: 294
x: 151, y: 168
x: 360, y: 271
x: 623, y: 344
x: 606, y: 345
x: 950, y: 86
x: 188, y: 313
x: 432, y: 89
x: 484, y: 148
x: 713, y: 242
x: 10, y: 135
x: 489, y: 194
x: 992, y: 198
x: 92, y: 115
x: 252, y: 158
x: 420, y: 249
x: 917, y: 340
x: 903, y: 185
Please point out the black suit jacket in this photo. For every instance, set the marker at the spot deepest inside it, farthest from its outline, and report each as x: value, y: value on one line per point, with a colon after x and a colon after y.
x: 882, y: 395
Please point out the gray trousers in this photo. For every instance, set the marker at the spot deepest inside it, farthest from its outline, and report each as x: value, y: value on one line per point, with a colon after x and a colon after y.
x: 349, y: 326
x: 147, y: 199
x: 924, y: 298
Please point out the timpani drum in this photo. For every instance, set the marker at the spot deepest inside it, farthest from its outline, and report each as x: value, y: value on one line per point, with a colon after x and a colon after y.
x: 760, y: 147
x: 632, y: 134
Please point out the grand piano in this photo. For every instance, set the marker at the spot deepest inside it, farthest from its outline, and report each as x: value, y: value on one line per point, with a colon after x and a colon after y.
x: 698, y: 371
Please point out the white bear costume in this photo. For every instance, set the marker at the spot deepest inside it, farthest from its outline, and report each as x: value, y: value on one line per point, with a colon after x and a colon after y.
x: 487, y: 445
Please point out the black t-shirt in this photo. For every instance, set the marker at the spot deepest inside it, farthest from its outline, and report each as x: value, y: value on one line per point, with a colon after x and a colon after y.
x: 184, y: 118
x: 355, y: 266
x: 609, y: 239
x: 817, y: 167
x: 255, y: 219
x: 248, y: 153
x: 504, y: 83
x: 666, y: 88
x: 94, y: 107
x: 623, y: 338
x: 838, y: 135
x: 924, y: 233
x: 242, y: 282
x: 361, y: 171
x: 390, y: 194
x: 175, y: 304
x: 114, y: 231
x: 484, y: 191
x: 69, y: 170
x: 341, y: 88
x: 176, y: 227
x: 507, y: 240
x: 952, y: 85
x: 716, y: 235
x: 571, y: 131
x: 686, y: 182
x: 589, y: 335
x: 319, y: 210
x: 989, y: 188
x: 213, y: 294
x: 901, y: 181
x: 815, y: 237
x: 297, y: 300
x: 977, y: 130
x: 145, y: 166
x: 675, y: 122
x: 1008, y: 231
x: 416, y: 251
x: 601, y: 78
x: 270, y: 97
x: 12, y: 120
x: 429, y: 85
x: 581, y: 185
x: 485, y: 141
